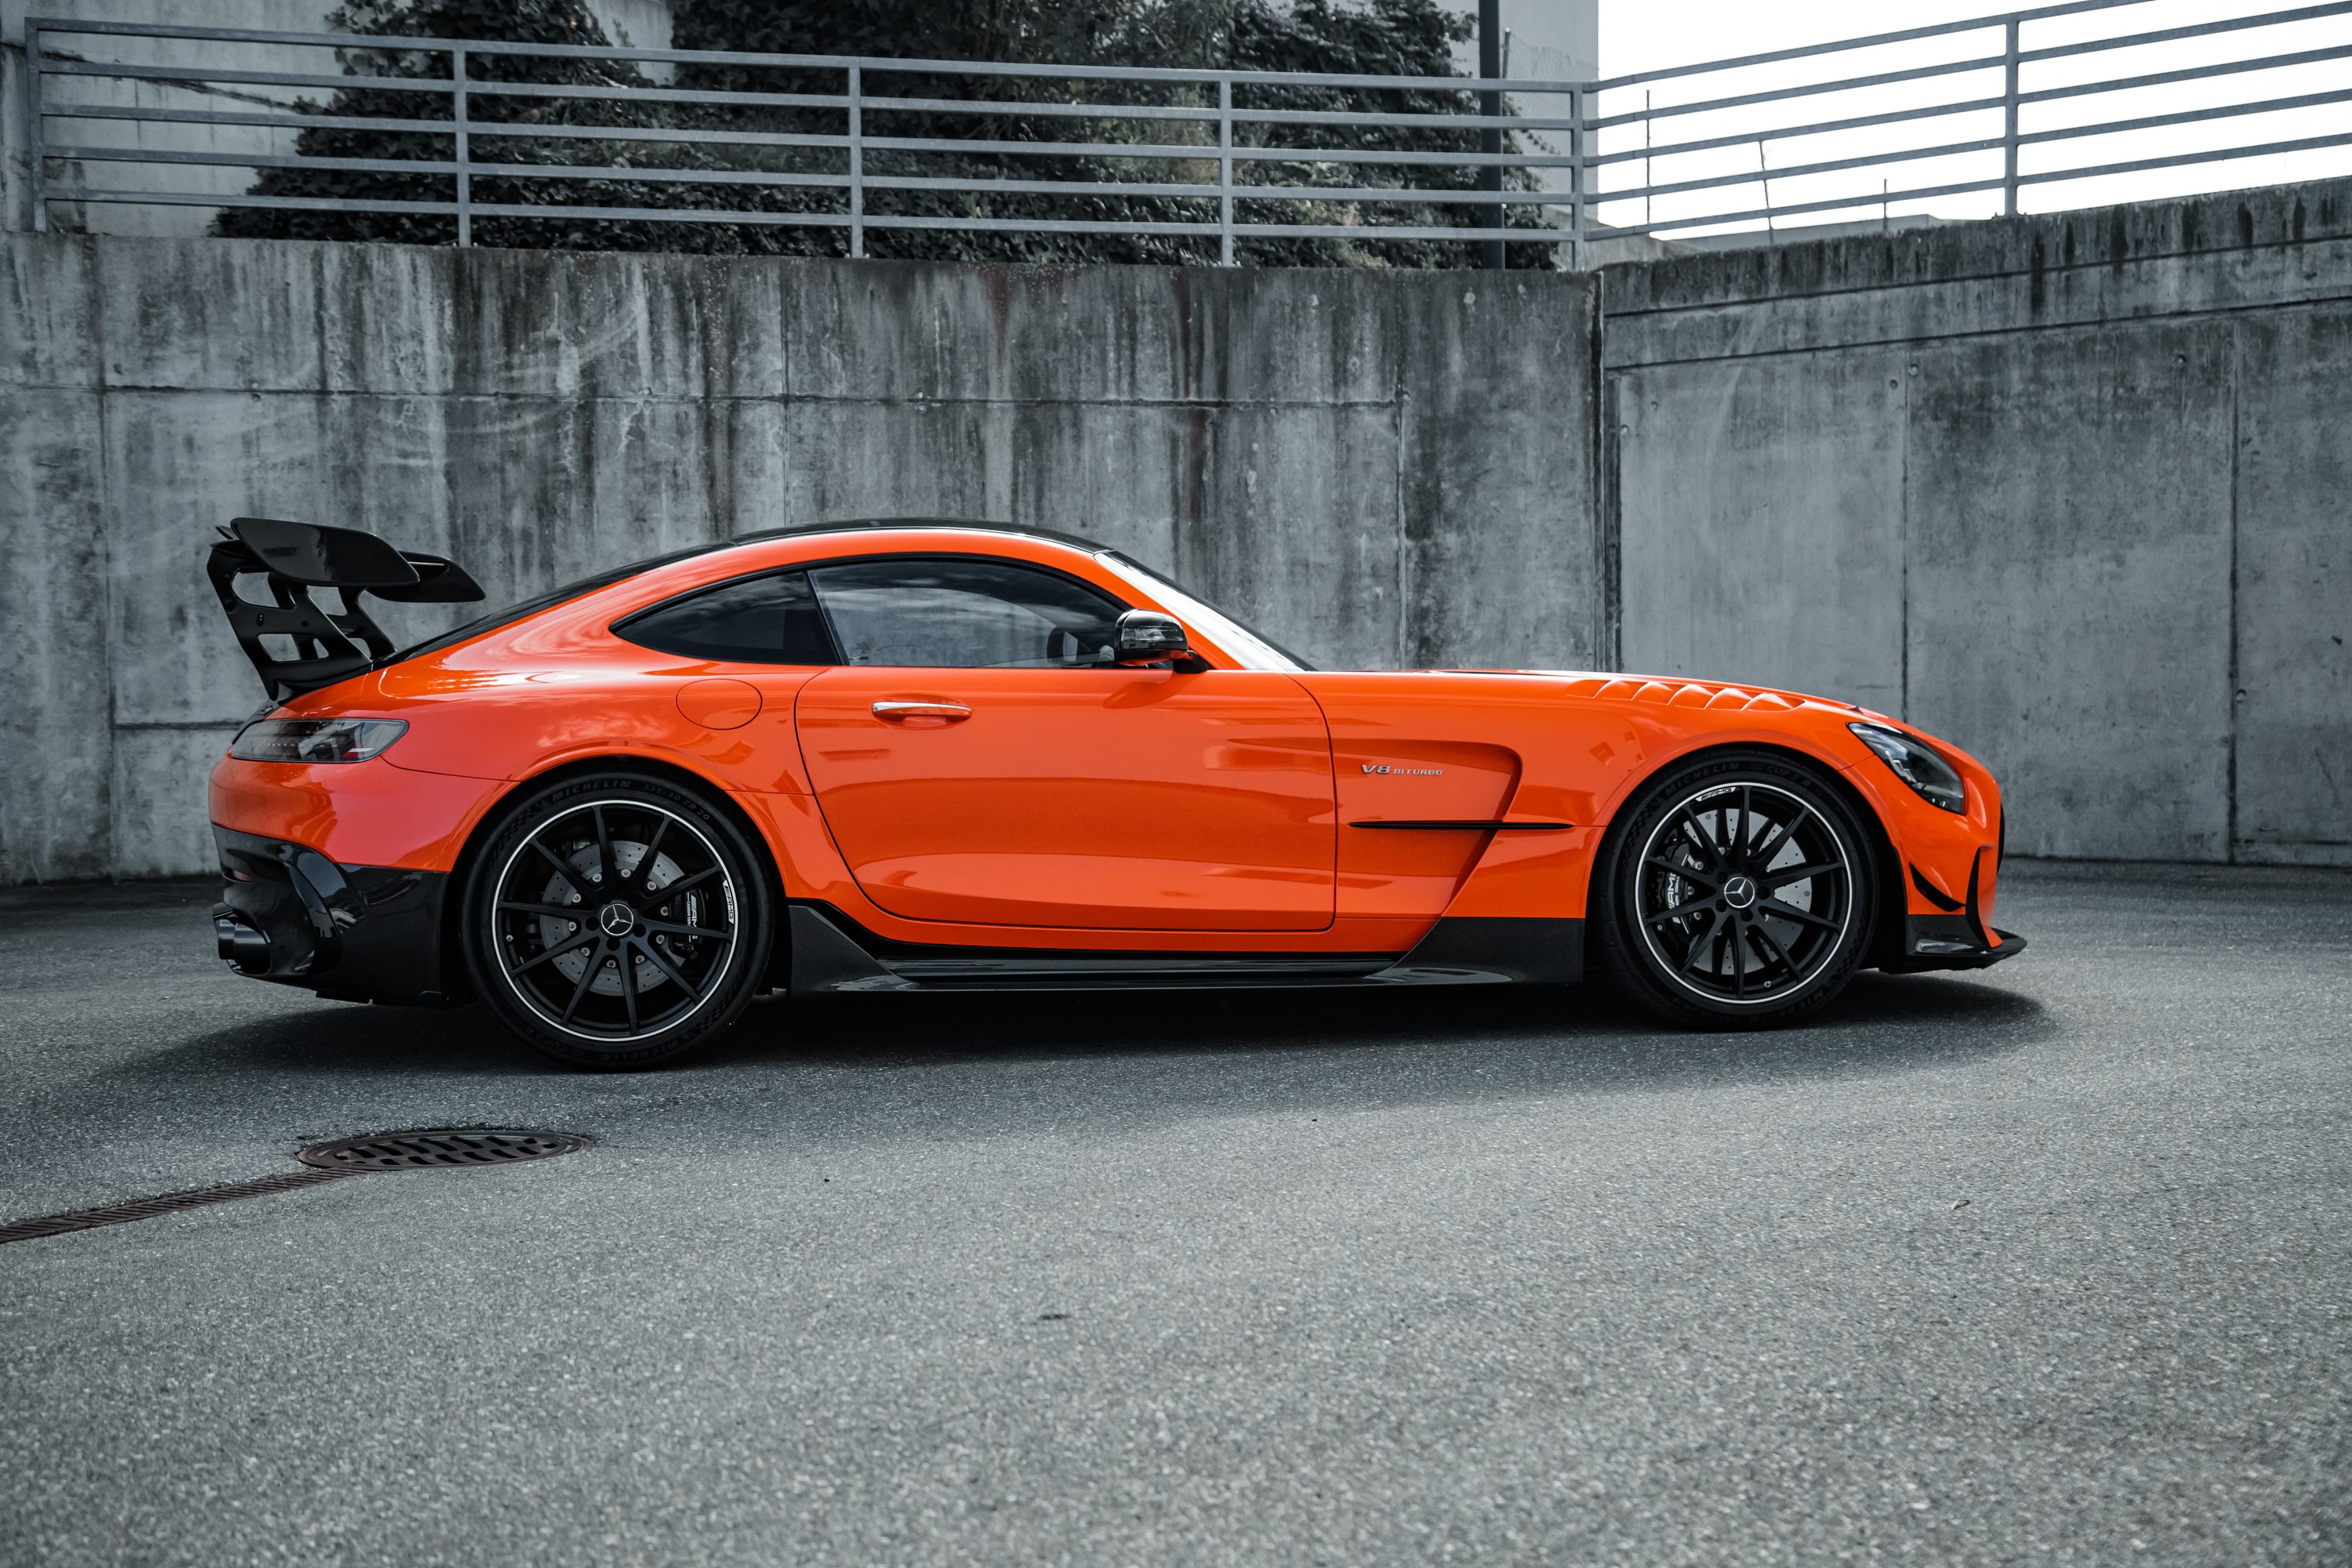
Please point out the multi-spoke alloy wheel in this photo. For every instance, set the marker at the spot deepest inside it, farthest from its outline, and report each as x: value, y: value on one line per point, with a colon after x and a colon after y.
x: 1739, y: 891
x: 617, y: 920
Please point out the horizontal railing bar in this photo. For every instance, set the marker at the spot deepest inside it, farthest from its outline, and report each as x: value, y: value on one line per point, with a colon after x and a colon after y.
x: 621, y: 173
x: 2192, y: 30
x: 450, y: 127
x: 1019, y: 106
x: 1194, y: 192
x: 2210, y: 155
x: 1955, y: 149
x: 232, y: 160
x: 1920, y: 192
x: 57, y: 193
x: 387, y: 42
x: 447, y: 167
x: 1827, y: 204
x: 162, y: 73
x: 1267, y: 230
x: 393, y: 43
x: 1207, y: 229
x: 2080, y: 90
x: 1402, y: 121
x: 449, y: 210
x: 1239, y: 153
x: 1799, y: 171
x: 2187, y: 73
x: 602, y: 93
x: 1167, y: 151
x: 1776, y: 95
x: 1867, y: 41
x: 2186, y: 116
x: 1866, y: 200
x: 1385, y: 231
x: 606, y: 92
x: 290, y: 119
x: 2046, y: 95
x: 1819, y: 128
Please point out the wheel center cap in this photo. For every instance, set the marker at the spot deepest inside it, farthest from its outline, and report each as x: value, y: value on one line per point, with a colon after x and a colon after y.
x: 1739, y: 893
x: 616, y: 919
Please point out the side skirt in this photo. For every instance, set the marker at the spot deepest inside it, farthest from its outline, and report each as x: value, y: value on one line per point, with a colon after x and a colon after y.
x: 832, y: 953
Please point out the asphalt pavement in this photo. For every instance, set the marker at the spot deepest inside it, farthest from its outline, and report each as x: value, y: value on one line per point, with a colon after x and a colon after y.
x: 2049, y: 1264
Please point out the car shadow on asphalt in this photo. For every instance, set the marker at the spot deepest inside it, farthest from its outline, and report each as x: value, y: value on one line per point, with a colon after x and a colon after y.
x: 885, y: 1067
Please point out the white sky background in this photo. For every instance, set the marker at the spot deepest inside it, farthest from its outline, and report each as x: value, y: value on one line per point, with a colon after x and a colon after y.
x: 1641, y: 35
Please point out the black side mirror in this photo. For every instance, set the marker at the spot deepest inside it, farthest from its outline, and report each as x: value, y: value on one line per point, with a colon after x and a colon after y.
x: 1151, y: 637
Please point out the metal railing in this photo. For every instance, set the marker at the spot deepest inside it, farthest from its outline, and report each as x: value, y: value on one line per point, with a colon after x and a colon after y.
x: 856, y: 145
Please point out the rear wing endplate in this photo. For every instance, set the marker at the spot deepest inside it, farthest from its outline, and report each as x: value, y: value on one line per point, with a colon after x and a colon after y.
x: 293, y: 558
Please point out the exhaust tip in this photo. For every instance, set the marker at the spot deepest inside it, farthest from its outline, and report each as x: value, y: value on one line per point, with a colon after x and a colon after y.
x: 242, y: 948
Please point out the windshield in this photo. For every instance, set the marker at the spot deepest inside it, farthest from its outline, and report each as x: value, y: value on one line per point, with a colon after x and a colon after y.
x: 1255, y: 650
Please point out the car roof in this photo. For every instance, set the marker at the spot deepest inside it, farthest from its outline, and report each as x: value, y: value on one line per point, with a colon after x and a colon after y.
x: 847, y: 525
x: 567, y: 592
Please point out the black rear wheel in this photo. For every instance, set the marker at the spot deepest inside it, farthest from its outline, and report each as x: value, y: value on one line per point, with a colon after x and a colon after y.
x: 617, y: 920
x: 1736, y: 892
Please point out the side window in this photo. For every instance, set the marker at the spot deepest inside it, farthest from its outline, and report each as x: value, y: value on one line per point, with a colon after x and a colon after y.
x: 970, y: 613
x: 768, y: 619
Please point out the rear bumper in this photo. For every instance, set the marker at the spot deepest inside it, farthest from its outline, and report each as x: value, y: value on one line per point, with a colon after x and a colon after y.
x: 368, y: 933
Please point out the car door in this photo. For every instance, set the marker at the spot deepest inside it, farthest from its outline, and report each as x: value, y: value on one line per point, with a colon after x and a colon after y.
x: 980, y: 759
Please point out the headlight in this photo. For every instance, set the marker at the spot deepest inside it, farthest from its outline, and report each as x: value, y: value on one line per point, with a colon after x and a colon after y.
x: 315, y: 740
x: 1915, y: 765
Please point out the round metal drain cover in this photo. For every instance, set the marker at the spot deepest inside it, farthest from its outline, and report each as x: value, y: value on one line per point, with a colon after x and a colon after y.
x: 425, y: 1147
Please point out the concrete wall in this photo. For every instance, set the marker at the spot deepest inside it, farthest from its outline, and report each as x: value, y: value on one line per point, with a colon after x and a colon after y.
x: 1383, y: 469
x: 2071, y: 491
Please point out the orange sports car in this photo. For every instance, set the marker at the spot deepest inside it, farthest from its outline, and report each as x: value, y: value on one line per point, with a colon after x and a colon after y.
x: 924, y: 755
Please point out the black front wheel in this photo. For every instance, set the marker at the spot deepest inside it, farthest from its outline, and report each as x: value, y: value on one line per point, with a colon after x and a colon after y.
x: 1736, y: 892
x: 617, y: 920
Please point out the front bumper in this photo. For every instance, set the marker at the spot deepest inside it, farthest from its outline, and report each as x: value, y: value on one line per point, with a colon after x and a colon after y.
x: 367, y: 934
x: 1951, y: 942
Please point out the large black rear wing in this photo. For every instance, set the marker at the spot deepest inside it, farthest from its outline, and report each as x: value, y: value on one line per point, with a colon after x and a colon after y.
x: 294, y: 558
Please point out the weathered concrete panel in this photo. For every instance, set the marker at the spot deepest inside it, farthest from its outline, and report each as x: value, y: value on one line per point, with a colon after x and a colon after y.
x: 208, y: 315
x: 159, y: 776
x: 56, y: 766
x: 2295, y: 588
x: 2068, y: 505
x: 1286, y: 517
x: 178, y: 466
x: 47, y: 307
x: 1495, y: 474
x: 2242, y: 231
x: 1761, y: 522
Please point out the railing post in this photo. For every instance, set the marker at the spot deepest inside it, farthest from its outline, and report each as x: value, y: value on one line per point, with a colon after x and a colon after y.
x: 458, y: 110
x: 856, y: 162
x: 33, y: 141
x: 1490, y: 104
x: 1576, y: 257
x: 1224, y: 171
x: 2009, y: 132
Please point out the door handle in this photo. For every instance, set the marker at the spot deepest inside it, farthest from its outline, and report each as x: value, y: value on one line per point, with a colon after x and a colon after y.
x: 898, y: 712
